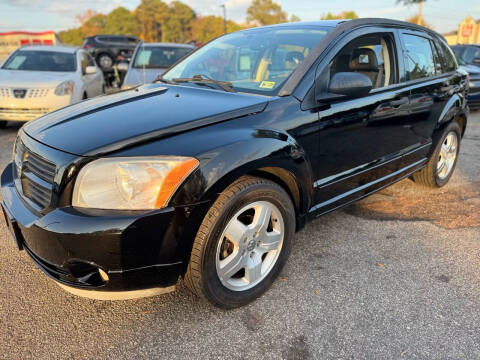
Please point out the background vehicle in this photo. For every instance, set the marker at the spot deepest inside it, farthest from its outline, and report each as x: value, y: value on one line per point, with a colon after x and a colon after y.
x: 208, y: 172
x: 474, y: 84
x: 470, y: 54
x: 109, y: 49
x: 35, y: 80
x: 151, y: 60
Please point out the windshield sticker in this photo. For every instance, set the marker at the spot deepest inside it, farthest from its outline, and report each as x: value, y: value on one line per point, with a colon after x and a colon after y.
x: 16, y: 62
x: 267, y: 84
x: 143, y: 58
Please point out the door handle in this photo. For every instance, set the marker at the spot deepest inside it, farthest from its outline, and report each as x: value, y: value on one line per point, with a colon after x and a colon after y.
x: 397, y: 103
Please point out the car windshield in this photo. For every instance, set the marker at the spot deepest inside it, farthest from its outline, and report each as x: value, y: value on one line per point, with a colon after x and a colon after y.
x: 159, y: 57
x: 257, y: 60
x: 37, y: 60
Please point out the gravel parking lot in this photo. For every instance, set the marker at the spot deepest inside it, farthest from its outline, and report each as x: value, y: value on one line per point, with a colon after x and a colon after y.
x: 395, y: 276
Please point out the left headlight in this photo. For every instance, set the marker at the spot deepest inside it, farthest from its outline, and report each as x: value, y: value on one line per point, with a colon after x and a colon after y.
x: 131, y: 183
x: 64, y: 88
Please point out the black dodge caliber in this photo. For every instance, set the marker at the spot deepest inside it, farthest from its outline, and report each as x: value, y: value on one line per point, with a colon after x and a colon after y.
x: 208, y: 172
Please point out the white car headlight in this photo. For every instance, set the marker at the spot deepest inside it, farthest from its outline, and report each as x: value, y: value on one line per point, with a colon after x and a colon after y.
x: 143, y: 183
x: 64, y: 88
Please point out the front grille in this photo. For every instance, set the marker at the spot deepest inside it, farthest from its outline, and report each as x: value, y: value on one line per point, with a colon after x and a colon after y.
x: 33, y: 93
x: 35, y: 174
x: 4, y: 92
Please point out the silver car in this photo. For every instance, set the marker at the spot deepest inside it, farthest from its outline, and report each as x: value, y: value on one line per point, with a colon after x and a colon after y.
x: 151, y: 60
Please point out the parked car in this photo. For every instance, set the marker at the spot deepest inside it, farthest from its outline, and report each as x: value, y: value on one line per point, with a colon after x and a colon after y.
x: 209, y: 172
x: 470, y: 54
x: 109, y: 49
x: 35, y: 80
x: 151, y: 60
x: 474, y: 84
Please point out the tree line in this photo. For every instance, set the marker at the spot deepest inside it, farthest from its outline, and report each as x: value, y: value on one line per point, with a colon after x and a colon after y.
x: 156, y: 21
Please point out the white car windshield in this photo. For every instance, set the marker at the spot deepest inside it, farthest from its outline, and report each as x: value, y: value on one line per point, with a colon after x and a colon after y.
x: 37, y: 60
x: 257, y: 60
x: 159, y: 57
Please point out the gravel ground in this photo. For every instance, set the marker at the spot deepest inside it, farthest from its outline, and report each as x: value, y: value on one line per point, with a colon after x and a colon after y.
x: 395, y: 276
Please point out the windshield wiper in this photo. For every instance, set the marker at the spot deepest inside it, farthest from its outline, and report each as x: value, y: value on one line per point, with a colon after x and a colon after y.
x: 161, y: 79
x: 203, y: 79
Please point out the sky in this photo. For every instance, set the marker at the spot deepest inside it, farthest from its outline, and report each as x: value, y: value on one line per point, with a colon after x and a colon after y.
x: 40, y: 15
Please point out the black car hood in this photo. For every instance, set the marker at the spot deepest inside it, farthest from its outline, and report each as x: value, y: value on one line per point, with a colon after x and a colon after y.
x: 153, y: 111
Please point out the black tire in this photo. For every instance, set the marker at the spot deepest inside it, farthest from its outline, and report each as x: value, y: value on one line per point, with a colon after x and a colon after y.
x: 429, y: 176
x: 3, y: 124
x: 105, y: 61
x: 201, y: 276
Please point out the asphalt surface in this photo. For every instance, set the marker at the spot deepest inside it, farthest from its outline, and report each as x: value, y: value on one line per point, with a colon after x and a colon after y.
x: 396, y: 276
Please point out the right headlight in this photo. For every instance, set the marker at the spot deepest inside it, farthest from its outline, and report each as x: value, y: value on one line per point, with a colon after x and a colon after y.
x: 139, y: 183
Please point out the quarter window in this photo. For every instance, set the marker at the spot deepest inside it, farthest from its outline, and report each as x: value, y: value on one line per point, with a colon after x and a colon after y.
x: 420, y: 62
x: 448, y: 57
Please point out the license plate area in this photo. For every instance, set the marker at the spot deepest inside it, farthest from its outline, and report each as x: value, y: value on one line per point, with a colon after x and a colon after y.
x: 13, y: 228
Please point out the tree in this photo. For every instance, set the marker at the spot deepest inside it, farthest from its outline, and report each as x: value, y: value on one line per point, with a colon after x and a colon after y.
x: 71, y: 37
x: 179, y: 22
x: 206, y: 28
x: 87, y: 14
x: 415, y: 19
x: 152, y: 15
x: 266, y: 12
x: 294, y: 18
x: 420, y: 8
x: 343, y: 15
x: 121, y: 21
x: 94, y: 25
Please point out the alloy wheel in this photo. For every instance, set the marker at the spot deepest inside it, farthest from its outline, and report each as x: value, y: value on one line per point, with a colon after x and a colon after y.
x: 447, y: 155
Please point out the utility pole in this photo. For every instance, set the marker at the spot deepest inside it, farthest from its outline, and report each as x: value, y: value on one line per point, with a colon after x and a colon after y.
x: 420, y: 13
x: 224, y: 18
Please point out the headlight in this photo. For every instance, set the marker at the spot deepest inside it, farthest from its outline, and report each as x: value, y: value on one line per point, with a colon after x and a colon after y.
x: 64, y: 88
x: 131, y: 183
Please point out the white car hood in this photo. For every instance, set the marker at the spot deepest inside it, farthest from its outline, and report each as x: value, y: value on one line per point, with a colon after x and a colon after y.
x: 28, y: 79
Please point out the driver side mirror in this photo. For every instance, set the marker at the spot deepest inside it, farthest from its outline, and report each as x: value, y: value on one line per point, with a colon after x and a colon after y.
x: 350, y: 84
x: 89, y: 70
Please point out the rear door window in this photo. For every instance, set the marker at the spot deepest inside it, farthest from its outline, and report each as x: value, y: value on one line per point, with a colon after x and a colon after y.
x: 447, y: 56
x: 420, y: 61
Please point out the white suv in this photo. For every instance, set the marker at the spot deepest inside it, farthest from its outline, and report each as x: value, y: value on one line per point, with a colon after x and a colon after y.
x: 35, y: 80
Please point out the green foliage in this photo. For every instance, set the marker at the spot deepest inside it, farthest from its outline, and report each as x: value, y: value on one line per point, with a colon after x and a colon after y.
x: 206, y: 28
x: 179, y: 22
x: 342, y: 15
x: 71, y: 37
x: 266, y: 12
x: 152, y: 15
x: 94, y: 25
x: 121, y: 21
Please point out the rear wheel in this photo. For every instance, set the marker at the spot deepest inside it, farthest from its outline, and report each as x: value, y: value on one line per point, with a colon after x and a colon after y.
x: 3, y: 124
x: 442, y: 163
x: 242, y: 243
x: 105, y: 61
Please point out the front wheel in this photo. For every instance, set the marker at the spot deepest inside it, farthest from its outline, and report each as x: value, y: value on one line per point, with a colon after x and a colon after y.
x: 440, y: 167
x: 242, y: 243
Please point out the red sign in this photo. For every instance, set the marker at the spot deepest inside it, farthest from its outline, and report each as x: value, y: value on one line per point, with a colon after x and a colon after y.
x: 467, y: 30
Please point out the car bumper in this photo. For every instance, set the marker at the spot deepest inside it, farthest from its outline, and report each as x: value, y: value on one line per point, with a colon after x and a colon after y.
x: 100, y: 255
x: 28, y: 109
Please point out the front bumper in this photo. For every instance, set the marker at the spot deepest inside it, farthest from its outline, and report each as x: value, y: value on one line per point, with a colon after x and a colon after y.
x: 27, y: 109
x: 93, y: 250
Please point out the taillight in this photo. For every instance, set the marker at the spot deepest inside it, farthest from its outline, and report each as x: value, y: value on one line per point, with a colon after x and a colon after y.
x: 87, y: 46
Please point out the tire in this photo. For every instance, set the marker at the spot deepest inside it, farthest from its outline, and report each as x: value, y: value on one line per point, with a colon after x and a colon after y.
x: 3, y: 124
x: 260, y: 258
x: 435, y: 175
x: 105, y: 61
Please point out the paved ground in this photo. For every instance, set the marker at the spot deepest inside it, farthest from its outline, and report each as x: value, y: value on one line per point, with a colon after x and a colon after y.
x: 396, y: 276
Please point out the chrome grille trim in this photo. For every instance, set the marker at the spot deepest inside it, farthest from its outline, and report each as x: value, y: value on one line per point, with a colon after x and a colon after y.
x: 35, y: 174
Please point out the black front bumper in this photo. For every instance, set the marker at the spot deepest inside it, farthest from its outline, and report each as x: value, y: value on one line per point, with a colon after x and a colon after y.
x: 77, y: 247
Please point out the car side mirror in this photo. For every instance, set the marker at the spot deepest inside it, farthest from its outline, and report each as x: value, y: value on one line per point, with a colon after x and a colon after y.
x: 122, y: 66
x: 89, y: 70
x: 350, y: 84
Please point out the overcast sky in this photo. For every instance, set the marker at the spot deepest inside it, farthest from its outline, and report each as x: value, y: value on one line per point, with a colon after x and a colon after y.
x: 38, y: 15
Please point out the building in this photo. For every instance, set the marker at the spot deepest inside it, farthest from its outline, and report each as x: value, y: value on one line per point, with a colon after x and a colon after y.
x: 9, y: 41
x: 468, y: 33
